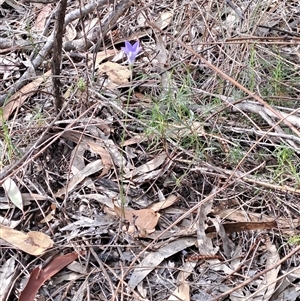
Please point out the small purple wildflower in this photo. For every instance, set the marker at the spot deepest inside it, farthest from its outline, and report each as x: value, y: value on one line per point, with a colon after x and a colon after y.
x: 131, y: 51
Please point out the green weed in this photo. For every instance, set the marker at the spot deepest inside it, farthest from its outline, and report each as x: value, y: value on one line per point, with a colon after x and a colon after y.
x: 7, y: 148
x: 294, y: 240
x: 235, y: 155
x: 81, y: 85
x: 171, y: 117
x: 287, y: 166
x: 252, y: 63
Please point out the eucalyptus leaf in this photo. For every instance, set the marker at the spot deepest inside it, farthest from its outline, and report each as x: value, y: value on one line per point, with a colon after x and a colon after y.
x: 13, y: 193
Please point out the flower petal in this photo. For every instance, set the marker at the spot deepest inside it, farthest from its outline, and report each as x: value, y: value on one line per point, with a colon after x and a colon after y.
x: 135, y: 46
x: 131, y: 51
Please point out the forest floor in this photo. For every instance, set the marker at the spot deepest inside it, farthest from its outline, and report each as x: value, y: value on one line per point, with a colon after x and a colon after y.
x: 174, y: 178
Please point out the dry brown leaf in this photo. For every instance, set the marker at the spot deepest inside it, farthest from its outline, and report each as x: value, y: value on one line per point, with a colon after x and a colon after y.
x: 7, y: 272
x: 70, y: 33
x: 19, y: 97
x: 103, y: 55
x: 153, y: 259
x: 134, y: 140
x: 182, y: 293
x: 267, y: 286
x: 242, y: 216
x: 117, y: 73
x: 50, y: 215
x: 164, y: 19
x: 147, y: 167
x: 244, y: 226
x: 162, y: 53
x: 88, y: 170
x: 40, y: 21
x: 144, y: 219
x: 34, y: 243
x: 38, y: 276
x: 94, y: 147
x: 12, y: 191
x: 171, y: 199
x: 104, y: 154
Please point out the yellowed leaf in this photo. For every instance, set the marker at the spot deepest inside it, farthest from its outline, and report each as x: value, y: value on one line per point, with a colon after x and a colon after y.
x: 117, y: 73
x: 34, y: 243
x: 144, y: 218
x: 19, y: 97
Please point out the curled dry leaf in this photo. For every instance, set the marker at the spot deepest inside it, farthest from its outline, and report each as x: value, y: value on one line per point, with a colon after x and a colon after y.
x: 34, y: 243
x: 105, y: 157
x: 20, y: 96
x: 94, y: 147
x: 38, y: 276
x: 144, y: 219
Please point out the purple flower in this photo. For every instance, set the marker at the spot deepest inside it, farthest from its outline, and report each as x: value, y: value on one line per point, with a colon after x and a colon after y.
x: 131, y: 51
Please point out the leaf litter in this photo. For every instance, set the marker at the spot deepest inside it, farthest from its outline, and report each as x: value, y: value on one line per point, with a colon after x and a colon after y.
x: 167, y: 175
